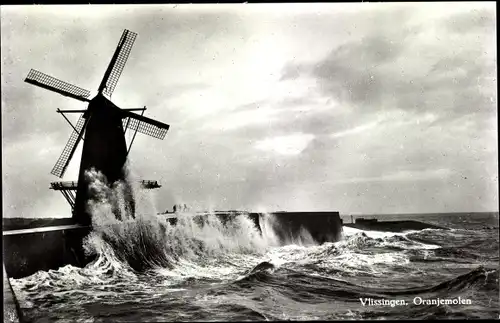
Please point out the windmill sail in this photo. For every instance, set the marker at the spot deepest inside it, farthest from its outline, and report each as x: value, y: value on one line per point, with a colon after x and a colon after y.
x: 145, y: 125
x: 62, y: 163
x: 117, y: 63
x: 53, y: 84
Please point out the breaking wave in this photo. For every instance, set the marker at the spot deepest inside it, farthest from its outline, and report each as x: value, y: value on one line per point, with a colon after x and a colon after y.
x: 149, y: 242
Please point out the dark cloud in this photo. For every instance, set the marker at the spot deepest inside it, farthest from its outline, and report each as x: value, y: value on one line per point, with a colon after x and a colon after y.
x: 476, y: 20
x: 354, y: 71
x: 379, y: 70
x: 291, y: 71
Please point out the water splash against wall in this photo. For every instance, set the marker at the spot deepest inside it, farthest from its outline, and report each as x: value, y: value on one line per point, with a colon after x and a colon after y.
x: 149, y: 241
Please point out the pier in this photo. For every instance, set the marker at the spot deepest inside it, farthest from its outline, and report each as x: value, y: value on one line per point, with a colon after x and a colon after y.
x: 11, y: 309
x: 27, y: 251
x: 391, y: 226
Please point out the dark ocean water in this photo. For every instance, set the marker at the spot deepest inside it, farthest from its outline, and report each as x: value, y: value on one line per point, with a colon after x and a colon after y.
x: 149, y: 271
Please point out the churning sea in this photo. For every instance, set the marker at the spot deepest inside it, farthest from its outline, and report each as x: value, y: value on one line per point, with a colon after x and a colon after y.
x: 149, y: 271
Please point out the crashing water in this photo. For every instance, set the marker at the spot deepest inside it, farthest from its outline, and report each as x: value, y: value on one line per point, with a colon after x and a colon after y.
x: 201, y: 269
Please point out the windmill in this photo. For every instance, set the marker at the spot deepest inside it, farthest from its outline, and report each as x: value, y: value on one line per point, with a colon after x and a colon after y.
x: 102, y: 128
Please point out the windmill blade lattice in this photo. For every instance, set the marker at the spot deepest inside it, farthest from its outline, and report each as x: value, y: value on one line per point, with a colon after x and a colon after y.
x: 53, y: 84
x: 62, y: 163
x: 117, y: 63
x: 145, y: 125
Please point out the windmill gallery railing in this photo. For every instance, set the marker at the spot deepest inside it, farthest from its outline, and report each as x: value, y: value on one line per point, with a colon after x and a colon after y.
x: 68, y: 188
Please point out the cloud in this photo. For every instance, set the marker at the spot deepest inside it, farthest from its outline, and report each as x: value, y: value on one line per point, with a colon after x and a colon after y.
x: 406, y: 175
x: 292, y: 144
x: 476, y: 20
x: 258, y: 115
x: 28, y: 187
x: 393, y: 119
x: 417, y: 66
x: 358, y: 129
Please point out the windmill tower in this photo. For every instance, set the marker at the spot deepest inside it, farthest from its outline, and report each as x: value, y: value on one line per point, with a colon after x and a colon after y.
x: 102, y: 128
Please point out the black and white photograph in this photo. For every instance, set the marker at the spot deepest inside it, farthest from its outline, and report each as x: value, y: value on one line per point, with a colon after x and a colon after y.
x: 249, y: 162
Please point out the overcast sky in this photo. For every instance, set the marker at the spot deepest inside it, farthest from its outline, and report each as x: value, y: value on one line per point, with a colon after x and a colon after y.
x: 360, y: 108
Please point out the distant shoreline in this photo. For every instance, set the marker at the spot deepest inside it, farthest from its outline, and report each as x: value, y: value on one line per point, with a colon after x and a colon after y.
x: 27, y: 223
x: 420, y: 214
